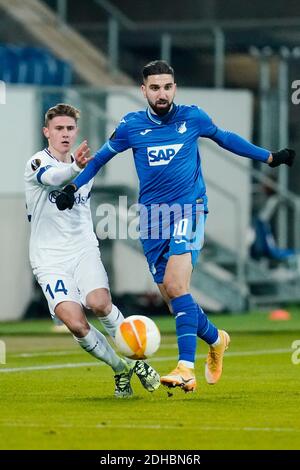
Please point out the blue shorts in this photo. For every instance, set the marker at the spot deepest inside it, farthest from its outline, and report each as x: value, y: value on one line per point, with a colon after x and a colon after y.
x: 182, y: 232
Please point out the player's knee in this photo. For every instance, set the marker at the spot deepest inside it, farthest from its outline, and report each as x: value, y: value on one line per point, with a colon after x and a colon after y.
x: 79, y: 328
x: 173, y: 287
x: 101, y: 305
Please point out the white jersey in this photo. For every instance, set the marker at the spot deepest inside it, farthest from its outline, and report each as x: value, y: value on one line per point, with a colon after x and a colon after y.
x: 56, y: 236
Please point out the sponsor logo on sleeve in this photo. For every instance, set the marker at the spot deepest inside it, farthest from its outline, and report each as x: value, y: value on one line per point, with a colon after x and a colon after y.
x: 35, y: 164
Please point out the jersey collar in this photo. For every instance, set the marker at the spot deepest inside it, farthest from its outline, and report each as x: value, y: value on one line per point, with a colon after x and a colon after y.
x: 49, y: 154
x: 54, y: 158
x: 161, y: 119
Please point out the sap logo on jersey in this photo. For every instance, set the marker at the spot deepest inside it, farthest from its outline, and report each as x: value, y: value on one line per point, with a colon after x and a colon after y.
x: 162, y: 155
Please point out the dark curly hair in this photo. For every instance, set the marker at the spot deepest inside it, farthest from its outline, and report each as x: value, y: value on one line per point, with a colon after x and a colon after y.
x: 157, y: 67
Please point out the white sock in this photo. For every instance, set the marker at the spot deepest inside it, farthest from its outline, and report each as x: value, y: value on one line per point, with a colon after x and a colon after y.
x: 188, y: 364
x: 97, y: 345
x: 112, y: 321
x: 217, y: 342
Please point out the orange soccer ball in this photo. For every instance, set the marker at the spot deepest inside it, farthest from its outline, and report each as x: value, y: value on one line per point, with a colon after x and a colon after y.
x: 137, y: 337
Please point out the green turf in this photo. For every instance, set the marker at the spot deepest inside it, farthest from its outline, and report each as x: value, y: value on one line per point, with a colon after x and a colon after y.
x: 254, y: 322
x: 254, y: 406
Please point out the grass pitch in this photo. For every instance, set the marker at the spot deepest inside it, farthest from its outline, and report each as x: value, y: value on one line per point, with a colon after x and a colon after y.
x: 55, y: 396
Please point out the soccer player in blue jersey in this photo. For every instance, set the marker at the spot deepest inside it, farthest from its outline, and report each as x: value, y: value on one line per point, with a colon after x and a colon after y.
x: 164, y: 142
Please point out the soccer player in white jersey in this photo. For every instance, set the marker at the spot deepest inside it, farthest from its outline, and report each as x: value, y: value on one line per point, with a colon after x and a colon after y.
x: 64, y: 252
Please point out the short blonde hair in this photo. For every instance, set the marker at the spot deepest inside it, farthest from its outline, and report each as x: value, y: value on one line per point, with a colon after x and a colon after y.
x: 61, y: 109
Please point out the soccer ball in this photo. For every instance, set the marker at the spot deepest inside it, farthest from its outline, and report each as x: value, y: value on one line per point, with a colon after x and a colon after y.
x: 137, y: 337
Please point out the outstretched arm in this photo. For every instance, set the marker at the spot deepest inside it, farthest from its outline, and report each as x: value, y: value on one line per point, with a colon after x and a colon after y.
x: 118, y: 142
x: 65, y: 200
x: 102, y: 156
x: 236, y: 144
x: 58, y: 176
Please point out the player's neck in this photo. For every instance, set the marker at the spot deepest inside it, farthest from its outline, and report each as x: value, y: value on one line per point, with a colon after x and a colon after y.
x: 62, y: 157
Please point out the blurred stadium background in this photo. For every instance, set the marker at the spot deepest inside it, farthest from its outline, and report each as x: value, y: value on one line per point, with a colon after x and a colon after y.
x: 238, y: 64
x: 241, y: 65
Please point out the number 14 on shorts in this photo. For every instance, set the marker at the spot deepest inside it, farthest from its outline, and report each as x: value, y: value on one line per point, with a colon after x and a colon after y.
x: 59, y: 287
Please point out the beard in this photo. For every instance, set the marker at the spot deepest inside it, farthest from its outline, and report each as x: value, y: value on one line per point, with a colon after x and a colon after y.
x: 161, y: 110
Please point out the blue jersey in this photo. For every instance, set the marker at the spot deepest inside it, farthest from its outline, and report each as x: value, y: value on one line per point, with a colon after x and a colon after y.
x: 166, y: 154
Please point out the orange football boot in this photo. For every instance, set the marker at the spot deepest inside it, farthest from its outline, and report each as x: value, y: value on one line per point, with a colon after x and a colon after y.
x: 182, y: 377
x: 214, y: 360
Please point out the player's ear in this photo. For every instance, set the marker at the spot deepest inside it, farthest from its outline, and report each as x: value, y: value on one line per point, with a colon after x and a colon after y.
x: 46, y: 132
x: 143, y: 89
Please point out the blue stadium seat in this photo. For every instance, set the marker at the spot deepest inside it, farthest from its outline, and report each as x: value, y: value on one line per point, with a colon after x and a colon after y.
x: 33, y: 65
x: 9, y: 59
x: 264, y: 245
x: 63, y: 73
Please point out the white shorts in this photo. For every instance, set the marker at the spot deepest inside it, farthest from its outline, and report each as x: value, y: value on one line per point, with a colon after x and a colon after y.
x: 72, y: 281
